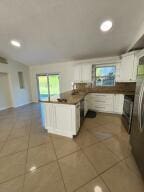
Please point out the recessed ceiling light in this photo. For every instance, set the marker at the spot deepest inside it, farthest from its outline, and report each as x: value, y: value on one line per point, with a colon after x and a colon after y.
x: 106, y: 26
x: 15, y: 43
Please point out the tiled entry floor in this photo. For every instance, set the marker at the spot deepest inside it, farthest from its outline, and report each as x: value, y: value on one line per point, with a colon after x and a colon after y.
x: 97, y: 160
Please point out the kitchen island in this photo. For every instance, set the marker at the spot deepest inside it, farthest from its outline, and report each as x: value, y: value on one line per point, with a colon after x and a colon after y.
x: 64, y: 118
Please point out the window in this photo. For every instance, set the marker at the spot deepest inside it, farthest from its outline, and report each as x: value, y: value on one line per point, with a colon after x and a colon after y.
x: 21, y: 80
x: 105, y: 76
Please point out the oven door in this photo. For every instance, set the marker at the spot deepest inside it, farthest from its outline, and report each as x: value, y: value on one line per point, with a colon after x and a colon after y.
x: 127, y: 113
x: 127, y: 108
x: 81, y: 111
x: 141, y: 108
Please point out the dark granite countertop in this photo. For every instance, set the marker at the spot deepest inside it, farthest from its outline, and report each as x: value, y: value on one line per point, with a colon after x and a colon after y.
x: 73, y: 99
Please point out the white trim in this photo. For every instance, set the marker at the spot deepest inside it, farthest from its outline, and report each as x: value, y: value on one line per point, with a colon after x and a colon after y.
x: 22, y: 104
x: 140, y: 53
x: 59, y: 133
x: 138, y: 36
x: 4, y: 108
x: 100, y: 60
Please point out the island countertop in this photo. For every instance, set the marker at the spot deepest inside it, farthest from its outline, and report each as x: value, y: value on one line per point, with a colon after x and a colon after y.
x: 73, y: 99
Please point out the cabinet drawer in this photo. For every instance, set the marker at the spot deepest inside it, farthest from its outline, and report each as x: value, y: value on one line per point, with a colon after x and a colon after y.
x: 100, y: 96
x: 109, y: 108
x: 100, y: 102
x: 97, y: 108
x: 102, y: 107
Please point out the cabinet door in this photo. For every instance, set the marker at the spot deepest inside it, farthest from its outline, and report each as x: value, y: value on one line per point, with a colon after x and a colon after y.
x: 77, y: 117
x: 126, y: 68
x: 63, y: 118
x: 118, y: 103
x: 77, y: 73
x: 85, y: 107
x: 49, y: 116
x: 135, y: 65
x: 86, y: 72
x: 100, y: 102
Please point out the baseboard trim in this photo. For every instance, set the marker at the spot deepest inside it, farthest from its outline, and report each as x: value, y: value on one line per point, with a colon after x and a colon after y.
x: 22, y: 104
x: 5, y: 108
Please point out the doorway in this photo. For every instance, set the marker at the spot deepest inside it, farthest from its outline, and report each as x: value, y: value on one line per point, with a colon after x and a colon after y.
x: 5, y: 93
x: 48, y: 87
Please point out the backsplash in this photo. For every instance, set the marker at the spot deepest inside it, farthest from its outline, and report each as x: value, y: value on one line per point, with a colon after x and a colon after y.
x: 119, y: 87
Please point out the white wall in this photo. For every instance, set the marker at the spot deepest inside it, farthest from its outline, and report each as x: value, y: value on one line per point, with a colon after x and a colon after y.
x: 19, y: 96
x: 66, y: 70
x: 5, y: 95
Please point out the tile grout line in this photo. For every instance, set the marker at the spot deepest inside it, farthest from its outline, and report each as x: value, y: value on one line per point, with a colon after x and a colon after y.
x: 100, y: 174
x: 8, y: 136
x: 62, y: 158
x: 105, y: 183
x: 58, y: 165
x: 26, y: 155
x: 11, y: 154
x: 57, y: 159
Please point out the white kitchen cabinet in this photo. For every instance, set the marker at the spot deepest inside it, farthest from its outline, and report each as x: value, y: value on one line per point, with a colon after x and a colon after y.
x: 77, y: 117
x: 47, y: 116
x: 85, y: 105
x: 61, y: 119
x: 86, y: 73
x: 128, y: 67
x: 77, y: 73
x: 101, y: 102
x: 118, y: 103
x: 109, y: 103
x: 82, y: 73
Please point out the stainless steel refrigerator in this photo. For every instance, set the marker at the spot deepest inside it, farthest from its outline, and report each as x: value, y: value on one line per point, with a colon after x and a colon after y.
x: 137, y: 129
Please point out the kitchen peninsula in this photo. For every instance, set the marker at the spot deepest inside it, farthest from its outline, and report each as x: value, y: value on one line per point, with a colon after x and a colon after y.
x: 65, y: 118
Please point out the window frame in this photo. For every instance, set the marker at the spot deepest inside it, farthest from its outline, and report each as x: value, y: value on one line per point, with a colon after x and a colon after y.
x: 104, y: 66
x: 47, y: 75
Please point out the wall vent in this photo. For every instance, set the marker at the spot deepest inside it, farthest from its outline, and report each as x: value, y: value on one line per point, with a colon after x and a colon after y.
x: 3, y: 60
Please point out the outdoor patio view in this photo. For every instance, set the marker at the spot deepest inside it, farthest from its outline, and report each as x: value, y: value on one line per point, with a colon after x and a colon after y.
x: 105, y: 76
x: 48, y: 86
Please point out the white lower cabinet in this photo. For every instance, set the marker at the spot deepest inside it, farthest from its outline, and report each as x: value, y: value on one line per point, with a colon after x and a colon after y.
x: 109, y: 103
x: 61, y: 119
x: 85, y: 105
x: 64, y: 119
x: 100, y: 102
x: 77, y: 117
x: 118, y: 103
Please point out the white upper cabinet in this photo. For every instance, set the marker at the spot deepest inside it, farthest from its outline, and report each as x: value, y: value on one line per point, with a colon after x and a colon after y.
x: 82, y: 73
x: 77, y: 73
x: 128, y: 67
x: 86, y: 72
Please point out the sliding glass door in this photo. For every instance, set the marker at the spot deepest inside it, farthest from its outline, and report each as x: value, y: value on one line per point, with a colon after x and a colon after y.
x: 48, y: 87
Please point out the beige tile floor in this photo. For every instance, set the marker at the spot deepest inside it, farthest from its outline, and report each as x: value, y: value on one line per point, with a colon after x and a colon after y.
x: 99, y: 159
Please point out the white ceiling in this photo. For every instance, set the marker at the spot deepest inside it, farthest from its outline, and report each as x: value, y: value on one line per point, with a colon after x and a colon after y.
x: 61, y: 30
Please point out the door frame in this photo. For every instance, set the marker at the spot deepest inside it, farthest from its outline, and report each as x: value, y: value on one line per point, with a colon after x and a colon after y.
x: 47, y: 75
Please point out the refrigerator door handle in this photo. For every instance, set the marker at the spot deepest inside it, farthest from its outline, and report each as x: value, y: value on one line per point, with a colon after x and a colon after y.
x: 139, y: 105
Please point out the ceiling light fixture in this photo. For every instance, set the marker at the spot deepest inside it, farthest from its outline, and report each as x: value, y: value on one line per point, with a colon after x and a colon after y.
x: 15, y: 43
x: 106, y: 26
